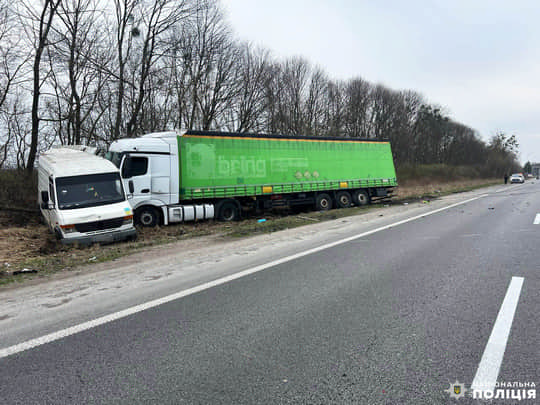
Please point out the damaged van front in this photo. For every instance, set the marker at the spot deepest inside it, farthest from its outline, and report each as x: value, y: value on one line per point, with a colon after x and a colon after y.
x: 82, y: 198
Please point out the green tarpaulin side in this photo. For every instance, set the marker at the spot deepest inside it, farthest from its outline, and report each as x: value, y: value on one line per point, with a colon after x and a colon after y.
x: 228, y: 166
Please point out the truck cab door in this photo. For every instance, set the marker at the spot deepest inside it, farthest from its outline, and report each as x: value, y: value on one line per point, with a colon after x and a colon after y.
x: 135, y: 170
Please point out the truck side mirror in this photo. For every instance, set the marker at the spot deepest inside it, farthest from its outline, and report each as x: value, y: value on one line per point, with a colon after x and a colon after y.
x: 131, y: 187
x: 45, y: 200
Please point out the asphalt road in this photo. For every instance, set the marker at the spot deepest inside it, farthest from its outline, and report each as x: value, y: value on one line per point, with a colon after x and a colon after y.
x: 393, y: 317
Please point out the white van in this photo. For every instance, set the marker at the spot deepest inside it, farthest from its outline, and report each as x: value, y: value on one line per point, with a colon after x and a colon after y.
x: 82, y: 199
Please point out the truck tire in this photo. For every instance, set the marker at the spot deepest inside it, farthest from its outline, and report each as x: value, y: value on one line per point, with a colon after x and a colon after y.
x: 343, y: 199
x: 147, y: 216
x: 361, y: 197
x: 323, y: 202
x: 228, y: 211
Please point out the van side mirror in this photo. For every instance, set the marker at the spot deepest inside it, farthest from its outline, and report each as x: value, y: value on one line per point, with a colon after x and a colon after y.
x: 45, y: 200
x: 131, y: 187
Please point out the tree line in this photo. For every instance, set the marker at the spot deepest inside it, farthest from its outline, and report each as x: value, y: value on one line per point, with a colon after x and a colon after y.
x: 93, y: 71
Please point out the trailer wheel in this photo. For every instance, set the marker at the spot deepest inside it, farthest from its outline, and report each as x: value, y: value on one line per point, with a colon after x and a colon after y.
x: 228, y: 211
x: 361, y: 197
x: 147, y: 216
x: 323, y: 202
x: 343, y: 199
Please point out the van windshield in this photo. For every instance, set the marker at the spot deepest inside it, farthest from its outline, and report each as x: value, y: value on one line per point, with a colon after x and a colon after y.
x: 89, y: 190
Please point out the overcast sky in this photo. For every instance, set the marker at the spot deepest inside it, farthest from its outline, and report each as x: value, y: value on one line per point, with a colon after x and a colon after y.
x: 479, y: 59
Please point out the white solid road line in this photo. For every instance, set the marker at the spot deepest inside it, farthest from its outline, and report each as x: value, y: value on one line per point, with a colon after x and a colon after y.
x: 488, y: 369
x: 537, y: 219
x: 29, y: 344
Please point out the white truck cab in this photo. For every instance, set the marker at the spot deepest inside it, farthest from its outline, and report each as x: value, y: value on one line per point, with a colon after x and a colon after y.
x: 149, y: 168
x: 82, y: 199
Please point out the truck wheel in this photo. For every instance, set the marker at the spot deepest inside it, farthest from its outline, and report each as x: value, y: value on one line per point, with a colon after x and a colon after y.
x: 343, y: 199
x: 147, y: 216
x: 360, y: 197
x: 323, y: 202
x: 228, y: 211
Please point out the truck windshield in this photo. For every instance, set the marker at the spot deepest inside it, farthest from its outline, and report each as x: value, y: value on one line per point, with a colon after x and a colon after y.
x: 89, y: 190
x: 114, y: 157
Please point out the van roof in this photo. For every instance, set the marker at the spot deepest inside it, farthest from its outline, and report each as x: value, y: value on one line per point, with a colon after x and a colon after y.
x: 70, y: 162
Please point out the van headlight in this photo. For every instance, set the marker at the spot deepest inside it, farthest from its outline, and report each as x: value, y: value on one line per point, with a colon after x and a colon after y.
x: 128, y: 220
x: 68, y: 228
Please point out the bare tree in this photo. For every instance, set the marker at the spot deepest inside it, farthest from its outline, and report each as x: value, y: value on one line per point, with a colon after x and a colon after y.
x: 205, y: 62
x: 358, y: 101
x: 335, y: 110
x: 80, y: 56
x: 155, y: 18
x: 12, y: 65
x: 247, y: 112
x: 290, y: 87
x: 12, y: 60
x: 39, y: 25
x: 124, y: 14
x: 317, y: 103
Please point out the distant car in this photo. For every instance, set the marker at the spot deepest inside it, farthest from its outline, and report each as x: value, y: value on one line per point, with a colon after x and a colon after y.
x: 517, y: 178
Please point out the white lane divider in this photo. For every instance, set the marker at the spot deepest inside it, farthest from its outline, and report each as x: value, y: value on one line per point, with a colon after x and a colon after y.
x: 537, y: 219
x: 29, y: 344
x: 490, y: 364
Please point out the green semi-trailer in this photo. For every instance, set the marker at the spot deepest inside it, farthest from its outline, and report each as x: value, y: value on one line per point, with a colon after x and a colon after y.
x: 203, y: 174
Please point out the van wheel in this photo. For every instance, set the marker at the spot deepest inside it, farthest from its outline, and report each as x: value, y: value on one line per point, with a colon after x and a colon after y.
x: 228, y: 211
x: 57, y: 234
x: 343, y: 199
x: 361, y: 197
x: 323, y: 202
x: 147, y: 216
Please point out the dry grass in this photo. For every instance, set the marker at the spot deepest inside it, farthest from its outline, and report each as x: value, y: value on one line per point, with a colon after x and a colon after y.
x: 415, y: 189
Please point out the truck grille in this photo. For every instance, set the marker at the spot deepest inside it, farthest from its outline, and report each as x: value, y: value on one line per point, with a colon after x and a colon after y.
x: 99, y: 225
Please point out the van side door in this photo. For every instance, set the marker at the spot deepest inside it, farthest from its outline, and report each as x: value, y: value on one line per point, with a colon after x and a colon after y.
x: 51, y: 214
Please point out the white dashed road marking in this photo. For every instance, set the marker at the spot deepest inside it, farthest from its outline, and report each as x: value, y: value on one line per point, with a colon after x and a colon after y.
x: 488, y: 370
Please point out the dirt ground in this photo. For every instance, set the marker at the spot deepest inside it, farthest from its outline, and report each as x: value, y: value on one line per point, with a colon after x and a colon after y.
x: 25, y: 243
x: 21, y: 236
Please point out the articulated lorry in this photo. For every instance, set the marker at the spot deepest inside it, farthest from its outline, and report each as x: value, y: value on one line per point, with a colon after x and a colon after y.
x: 175, y: 177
